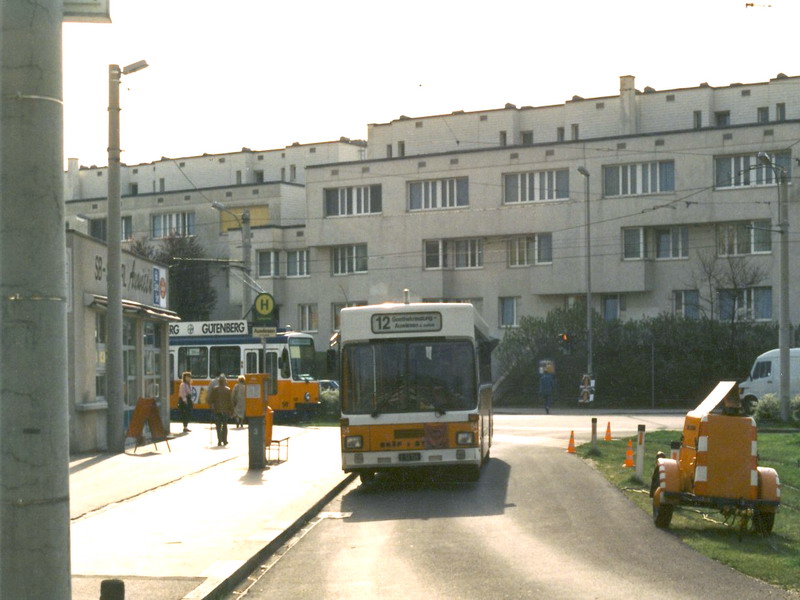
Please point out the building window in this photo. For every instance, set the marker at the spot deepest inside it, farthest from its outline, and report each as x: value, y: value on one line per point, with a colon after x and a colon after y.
x: 633, y: 243
x: 349, y: 259
x: 297, y: 263
x: 535, y: 249
x: 468, y: 254
x: 698, y: 119
x: 349, y: 201
x: 98, y: 229
x: 672, y: 242
x: 686, y: 304
x: 575, y: 131
x: 747, y: 237
x: 762, y: 114
x: 533, y: 186
x: 268, y: 263
x: 401, y: 148
x: 559, y: 134
x: 127, y: 228
x: 753, y: 303
x: 133, y: 189
x: 436, y: 254
x: 612, y: 307
x: 438, y: 193
x: 780, y: 111
x: 162, y: 184
x: 259, y: 176
x: 388, y: 151
x: 292, y: 173
x: 181, y: 223
x: 238, y: 177
x: 307, y: 317
x: 745, y: 170
x: 639, y: 178
x: 503, y: 138
x: 508, y: 312
x: 527, y: 138
x: 722, y: 118
x: 100, y: 347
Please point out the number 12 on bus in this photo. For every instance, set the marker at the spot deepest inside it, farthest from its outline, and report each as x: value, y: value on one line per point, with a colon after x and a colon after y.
x: 416, y: 388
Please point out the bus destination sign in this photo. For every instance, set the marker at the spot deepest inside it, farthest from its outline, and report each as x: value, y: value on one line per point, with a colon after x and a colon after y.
x: 406, y: 322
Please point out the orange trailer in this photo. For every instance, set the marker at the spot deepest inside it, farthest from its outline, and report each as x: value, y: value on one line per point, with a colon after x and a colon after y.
x: 717, y: 467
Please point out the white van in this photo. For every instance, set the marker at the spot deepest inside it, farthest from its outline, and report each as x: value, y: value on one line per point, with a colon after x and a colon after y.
x: 765, y: 378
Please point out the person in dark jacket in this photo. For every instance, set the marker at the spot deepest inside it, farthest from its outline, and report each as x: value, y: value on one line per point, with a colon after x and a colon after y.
x: 546, y: 388
x: 221, y: 403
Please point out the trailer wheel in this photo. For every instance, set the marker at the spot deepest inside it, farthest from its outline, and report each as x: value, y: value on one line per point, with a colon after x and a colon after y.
x: 662, y: 513
x: 763, y: 522
x: 366, y: 476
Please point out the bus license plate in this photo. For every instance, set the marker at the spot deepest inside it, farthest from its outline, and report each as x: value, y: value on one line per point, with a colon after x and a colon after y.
x: 409, y: 456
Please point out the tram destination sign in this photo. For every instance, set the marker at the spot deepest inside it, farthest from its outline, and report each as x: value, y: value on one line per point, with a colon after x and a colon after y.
x: 414, y: 322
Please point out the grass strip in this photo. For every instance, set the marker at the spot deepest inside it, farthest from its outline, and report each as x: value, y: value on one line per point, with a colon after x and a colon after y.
x: 774, y: 558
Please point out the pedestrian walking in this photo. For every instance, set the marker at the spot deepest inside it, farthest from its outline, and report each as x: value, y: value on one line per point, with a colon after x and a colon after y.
x: 221, y: 403
x: 546, y: 386
x: 239, y: 401
x: 185, y: 401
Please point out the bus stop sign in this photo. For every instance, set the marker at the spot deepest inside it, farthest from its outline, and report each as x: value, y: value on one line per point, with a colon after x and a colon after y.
x: 263, y: 309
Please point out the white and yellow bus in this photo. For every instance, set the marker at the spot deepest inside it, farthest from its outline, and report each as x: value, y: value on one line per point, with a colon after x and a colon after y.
x: 415, y: 388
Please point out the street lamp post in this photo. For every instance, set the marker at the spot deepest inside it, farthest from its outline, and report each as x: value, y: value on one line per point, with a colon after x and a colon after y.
x: 585, y: 173
x: 783, y: 315
x: 244, y: 223
x: 114, y: 363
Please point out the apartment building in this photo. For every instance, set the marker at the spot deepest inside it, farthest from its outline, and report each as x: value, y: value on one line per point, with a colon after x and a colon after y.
x: 176, y: 196
x: 490, y: 207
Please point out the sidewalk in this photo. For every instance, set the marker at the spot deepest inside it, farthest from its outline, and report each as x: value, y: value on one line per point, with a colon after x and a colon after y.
x: 179, y: 523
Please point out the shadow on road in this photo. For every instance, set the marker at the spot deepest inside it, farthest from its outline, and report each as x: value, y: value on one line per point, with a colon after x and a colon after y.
x: 429, y: 494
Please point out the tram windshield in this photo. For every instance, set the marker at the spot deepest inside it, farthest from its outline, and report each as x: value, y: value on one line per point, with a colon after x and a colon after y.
x: 401, y: 376
x: 302, y: 356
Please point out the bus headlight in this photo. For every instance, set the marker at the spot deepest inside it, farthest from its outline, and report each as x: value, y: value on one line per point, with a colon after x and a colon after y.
x: 353, y: 442
x: 465, y: 438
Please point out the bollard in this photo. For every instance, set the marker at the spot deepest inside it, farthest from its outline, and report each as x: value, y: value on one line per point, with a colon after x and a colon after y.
x: 640, y: 454
x: 112, y: 589
x: 594, y: 436
x: 255, y: 443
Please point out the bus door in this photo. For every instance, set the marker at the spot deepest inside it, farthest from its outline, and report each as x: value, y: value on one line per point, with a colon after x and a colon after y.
x: 271, y: 368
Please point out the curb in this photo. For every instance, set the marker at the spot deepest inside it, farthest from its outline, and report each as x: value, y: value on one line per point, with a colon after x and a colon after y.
x: 217, y: 587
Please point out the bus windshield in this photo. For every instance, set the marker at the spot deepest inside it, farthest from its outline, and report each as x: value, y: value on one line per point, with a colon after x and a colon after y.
x: 302, y: 355
x: 402, y: 376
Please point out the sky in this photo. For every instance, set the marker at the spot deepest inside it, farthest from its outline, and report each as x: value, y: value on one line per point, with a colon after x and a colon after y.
x: 263, y: 74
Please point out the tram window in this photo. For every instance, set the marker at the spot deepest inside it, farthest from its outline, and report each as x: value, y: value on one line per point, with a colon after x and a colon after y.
x: 227, y: 360
x: 193, y: 359
x: 284, y: 364
x: 251, y: 362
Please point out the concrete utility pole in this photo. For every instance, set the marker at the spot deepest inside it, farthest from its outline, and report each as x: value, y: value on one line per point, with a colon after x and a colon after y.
x: 244, y: 224
x: 114, y: 344
x: 34, y: 434
x: 784, y: 345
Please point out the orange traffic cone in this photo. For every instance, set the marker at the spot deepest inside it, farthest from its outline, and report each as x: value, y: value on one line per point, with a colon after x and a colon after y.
x: 608, y: 432
x: 571, y: 445
x: 629, y: 455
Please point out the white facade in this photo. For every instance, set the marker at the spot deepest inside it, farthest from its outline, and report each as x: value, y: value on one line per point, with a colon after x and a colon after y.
x: 145, y: 339
x: 489, y: 206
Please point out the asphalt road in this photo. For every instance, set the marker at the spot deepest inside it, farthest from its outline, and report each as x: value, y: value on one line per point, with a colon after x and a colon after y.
x: 540, y: 523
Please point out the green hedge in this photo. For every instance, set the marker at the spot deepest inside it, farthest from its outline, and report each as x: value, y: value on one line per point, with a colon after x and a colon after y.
x: 664, y: 361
